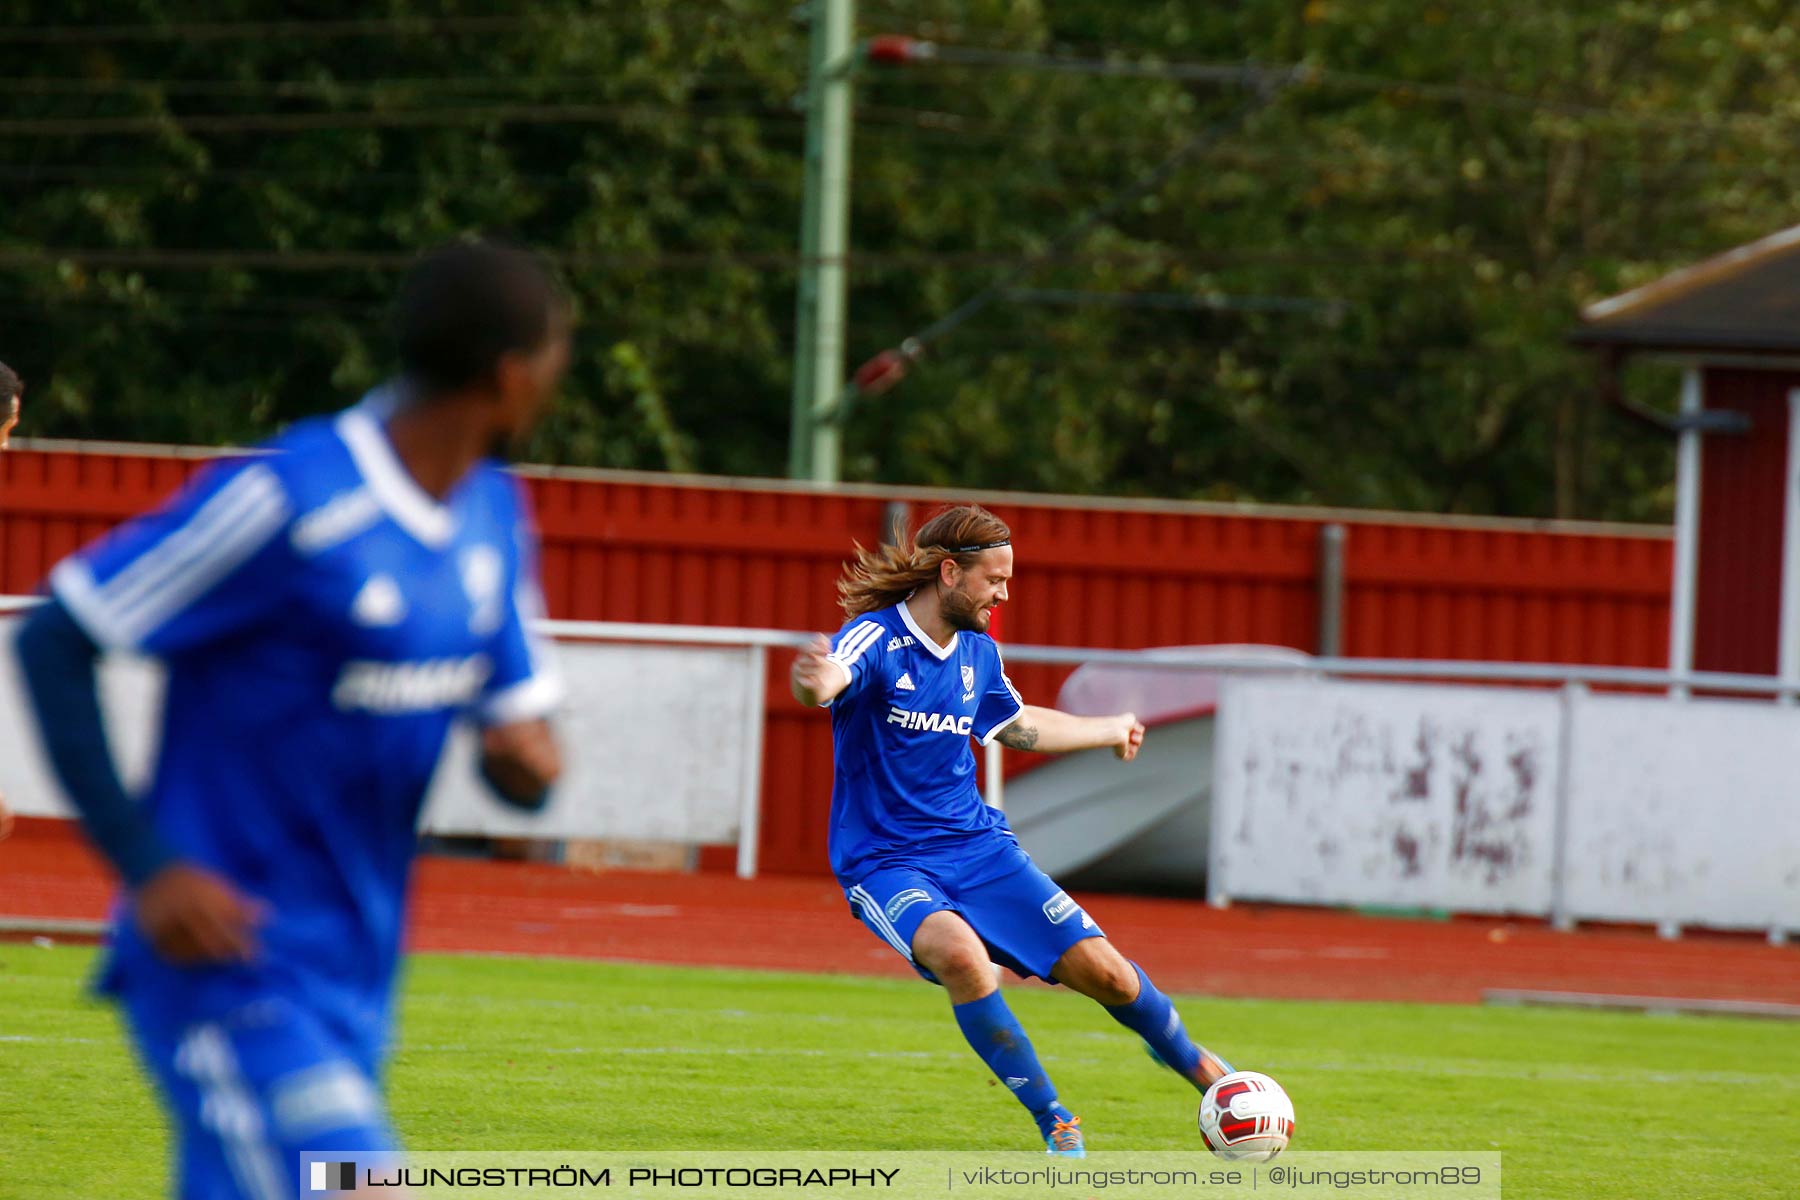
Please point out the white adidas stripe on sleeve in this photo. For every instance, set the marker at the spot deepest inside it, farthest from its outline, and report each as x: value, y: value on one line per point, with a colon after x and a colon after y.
x: 219, y: 537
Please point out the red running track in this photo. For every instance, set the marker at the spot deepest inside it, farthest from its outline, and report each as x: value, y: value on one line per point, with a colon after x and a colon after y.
x: 803, y: 925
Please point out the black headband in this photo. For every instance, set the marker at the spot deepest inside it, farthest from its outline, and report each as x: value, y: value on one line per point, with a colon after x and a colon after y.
x: 1005, y: 541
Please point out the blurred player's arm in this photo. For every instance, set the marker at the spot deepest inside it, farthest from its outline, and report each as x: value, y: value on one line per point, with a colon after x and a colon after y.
x: 57, y: 658
x: 521, y: 762
x: 817, y: 679
x: 520, y: 759
x: 189, y: 914
x: 1050, y: 731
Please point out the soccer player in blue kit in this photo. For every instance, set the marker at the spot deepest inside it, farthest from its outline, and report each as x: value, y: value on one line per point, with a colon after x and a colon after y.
x: 325, y: 608
x: 924, y: 863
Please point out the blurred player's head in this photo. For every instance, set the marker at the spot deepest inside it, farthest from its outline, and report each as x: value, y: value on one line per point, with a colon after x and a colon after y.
x: 964, y: 554
x: 484, y: 322
x: 11, y: 389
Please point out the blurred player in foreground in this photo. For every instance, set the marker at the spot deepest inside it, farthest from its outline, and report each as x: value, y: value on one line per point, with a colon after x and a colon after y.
x: 928, y: 867
x: 325, y: 609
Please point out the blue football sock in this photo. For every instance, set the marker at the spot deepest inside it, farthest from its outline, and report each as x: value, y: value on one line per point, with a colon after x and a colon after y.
x: 1152, y: 1016
x: 1000, y: 1041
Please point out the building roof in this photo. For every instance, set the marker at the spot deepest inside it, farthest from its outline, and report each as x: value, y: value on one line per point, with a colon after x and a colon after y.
x: 1744, y: 301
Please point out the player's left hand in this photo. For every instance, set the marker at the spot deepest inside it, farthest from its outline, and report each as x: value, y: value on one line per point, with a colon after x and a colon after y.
x: 1131, y: 736
x: 192, y: 915
x: 521, y: 761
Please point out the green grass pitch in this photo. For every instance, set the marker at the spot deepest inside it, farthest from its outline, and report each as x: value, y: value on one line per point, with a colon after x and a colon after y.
x: 535, y: 1054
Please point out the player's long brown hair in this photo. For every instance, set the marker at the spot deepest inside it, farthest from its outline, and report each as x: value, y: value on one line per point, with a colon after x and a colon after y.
x: 886, y: 575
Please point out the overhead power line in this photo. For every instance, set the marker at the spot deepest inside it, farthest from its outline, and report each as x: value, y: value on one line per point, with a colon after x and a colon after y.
x: 398, y: 118
x: 334, y: 88
x: 892, y: 50
x: 401, y: 27
x: 183, y: 175
x: 1175, y: 301
x: 309, y: 261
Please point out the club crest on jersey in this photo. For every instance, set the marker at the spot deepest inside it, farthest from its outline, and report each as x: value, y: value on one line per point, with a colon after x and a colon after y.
x: 923, y: 722
x: 481, y: 570
x: 968, y: 679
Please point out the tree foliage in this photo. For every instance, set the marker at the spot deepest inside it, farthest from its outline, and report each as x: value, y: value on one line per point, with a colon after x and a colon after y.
x: 1358, y: 294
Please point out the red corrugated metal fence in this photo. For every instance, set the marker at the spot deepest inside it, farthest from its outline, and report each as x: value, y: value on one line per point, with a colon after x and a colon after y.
x: 636, y: 548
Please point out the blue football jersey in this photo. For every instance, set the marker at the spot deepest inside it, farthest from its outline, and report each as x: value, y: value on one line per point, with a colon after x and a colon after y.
x: 905, y: 783
x: 323, y: 621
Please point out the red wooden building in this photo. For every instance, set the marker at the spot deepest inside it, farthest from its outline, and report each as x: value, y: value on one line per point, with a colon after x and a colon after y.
x: 1733, y: 324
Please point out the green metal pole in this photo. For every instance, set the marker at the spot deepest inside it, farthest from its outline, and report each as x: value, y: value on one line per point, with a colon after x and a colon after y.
x: 824, y: 238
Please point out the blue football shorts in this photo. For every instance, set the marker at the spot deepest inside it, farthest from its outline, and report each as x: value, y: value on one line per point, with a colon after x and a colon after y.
x: 1026, y: 921
x: 252, y: 1091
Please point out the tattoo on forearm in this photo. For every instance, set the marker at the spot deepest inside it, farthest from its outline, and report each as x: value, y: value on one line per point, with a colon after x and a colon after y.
x: 1019, y: 736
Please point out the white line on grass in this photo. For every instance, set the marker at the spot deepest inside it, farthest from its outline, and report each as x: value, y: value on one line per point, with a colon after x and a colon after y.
x: 1373, y: 1067
x: 1474, y: 1069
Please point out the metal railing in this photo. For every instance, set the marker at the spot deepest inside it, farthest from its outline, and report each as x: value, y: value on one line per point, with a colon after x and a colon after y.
x: 1574, y: 678
x: 1199, y: 659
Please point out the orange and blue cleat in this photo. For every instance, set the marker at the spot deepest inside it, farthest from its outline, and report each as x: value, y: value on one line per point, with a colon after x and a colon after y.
x: 1065, y: 1140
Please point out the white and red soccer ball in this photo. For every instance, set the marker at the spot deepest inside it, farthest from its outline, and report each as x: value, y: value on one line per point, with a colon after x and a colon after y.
x: 1246, y: 1117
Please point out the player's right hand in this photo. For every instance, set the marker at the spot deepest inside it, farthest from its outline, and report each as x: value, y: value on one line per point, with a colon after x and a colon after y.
x: 1131, y: 737
x: 813, y: 679
x: 193, y: 916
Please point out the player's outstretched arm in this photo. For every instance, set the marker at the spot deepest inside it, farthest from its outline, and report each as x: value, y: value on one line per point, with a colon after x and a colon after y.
x: 815, y: 679
x: 1050, y: 731
x: 521, y: 762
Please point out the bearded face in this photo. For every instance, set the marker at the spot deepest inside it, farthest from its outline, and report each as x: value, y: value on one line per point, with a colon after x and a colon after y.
x: 969, y: 603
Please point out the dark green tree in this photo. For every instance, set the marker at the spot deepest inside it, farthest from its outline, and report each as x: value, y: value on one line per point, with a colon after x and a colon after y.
x: 1357, y: 295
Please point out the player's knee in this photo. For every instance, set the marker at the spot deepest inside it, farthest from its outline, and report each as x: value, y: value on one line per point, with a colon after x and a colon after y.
x: 1099, y: 973
x: 1114, y: 983
x: 959, y: 962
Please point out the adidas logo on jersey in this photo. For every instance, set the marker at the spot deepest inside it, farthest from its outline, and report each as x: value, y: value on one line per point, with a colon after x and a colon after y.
x: 379, y: 604
x: 894, y: 643
x: 930, y: 722
x: 905, y: 684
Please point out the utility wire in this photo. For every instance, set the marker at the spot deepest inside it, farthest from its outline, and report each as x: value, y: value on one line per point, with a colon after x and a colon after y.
x: 1258, y: 75
x: 399, y: 27
x: 184, y: 175
x: 1104, y: 63
x: 890, y: 366
x: 333, y: 88
x: 1383, y: 167
x: 1020, y: 264
x: 399, y: 118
